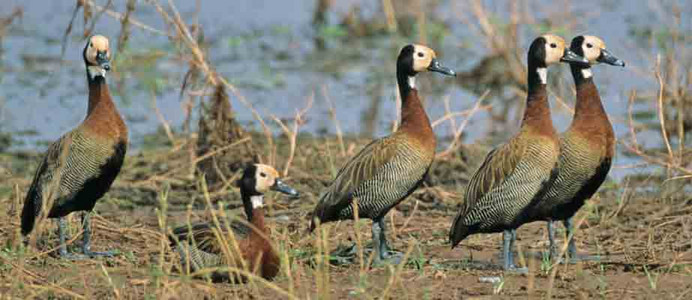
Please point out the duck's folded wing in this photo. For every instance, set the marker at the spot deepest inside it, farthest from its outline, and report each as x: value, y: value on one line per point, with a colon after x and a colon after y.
x: 203, y: 236
x: 361, y: 168
x: 43, y: 183
x: 499, y: 164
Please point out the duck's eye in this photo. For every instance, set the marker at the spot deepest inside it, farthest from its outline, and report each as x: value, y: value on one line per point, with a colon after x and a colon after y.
x: 91, y: 45
x: 262, y: 174
x: 553, y: 45
x: 421, y: 54
x: 589, y: 45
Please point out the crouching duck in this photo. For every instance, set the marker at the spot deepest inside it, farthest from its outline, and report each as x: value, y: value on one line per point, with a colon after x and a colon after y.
x: 206, y: 246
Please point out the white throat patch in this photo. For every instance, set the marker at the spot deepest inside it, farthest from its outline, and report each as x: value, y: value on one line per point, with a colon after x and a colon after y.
x: 96, y: 71
x: 586, y: 73
x: 257, y: 201
x: 412, y: 82
x: 543, y: 75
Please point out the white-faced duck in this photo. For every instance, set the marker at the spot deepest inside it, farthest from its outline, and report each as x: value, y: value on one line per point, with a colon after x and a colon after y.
x: 388, y: 169
x: 204, y: 245
x: 79, y: 168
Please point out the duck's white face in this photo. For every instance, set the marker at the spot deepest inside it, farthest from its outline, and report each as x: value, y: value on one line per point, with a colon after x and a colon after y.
x: 592, y: 47
x: 554, y: 48
x: 265, y: 178
x: 422, y: 58
x: 97, y: 55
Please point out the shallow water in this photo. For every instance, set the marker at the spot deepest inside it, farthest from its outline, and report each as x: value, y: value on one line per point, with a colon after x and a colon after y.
x: 266, y: 48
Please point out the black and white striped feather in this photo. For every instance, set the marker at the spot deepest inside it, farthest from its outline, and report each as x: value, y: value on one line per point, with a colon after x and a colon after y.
x: 75, y: 172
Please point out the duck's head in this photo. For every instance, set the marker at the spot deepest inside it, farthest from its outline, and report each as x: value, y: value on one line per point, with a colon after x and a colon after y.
x: 594, y: 50
x: 550, y: 49
x: 97, y: 56
x: 414, y: 59
x: 256, y: 181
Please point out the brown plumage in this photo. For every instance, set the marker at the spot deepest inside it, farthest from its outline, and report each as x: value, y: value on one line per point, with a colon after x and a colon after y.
x: 387, y: 170
x: 80, y: 167
x: 516, y: 173
x: 204, y: 246
x: 587, y: 147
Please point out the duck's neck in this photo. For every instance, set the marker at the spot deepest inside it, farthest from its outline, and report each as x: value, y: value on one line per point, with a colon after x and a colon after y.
x: 102, y: 115
x: 414, y: 120
x: 100, y: 100
x: 589, y: 108
x: 254, y: 210
x: 537, y: 113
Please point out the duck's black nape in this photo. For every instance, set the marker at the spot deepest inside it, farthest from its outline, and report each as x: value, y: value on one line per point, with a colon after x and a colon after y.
x: 247, y: 185
x: 404, y: 70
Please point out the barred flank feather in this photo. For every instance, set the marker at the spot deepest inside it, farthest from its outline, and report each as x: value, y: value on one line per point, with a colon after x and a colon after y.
x: 87, y: 165
x: 383, y: 174
x: 199, y: 246
x: 586, y: 151
x: 501, y: 191
x: 582, y: 171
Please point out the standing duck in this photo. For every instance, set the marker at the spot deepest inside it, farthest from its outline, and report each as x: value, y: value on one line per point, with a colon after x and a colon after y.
x: 586, y: 148
x: 80, y: 167
x: 199, y: 245
x: 516, y: 173
x: 389, y: 169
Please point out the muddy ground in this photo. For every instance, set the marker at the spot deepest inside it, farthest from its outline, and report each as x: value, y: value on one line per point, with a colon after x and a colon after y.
x: 644, y: 241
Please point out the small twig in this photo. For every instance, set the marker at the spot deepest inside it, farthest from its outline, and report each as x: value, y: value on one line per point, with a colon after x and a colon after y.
x: 110, y: 282
x: 654, y: 160
x: 458, y: 131
x: 332, y: 116
x: 120, y: 17
x: 101, y: 11
x: 630, y: 120
x: 292, y: 134
x: 390, y: 15
x: 661, y: 117
x: 413, y: 212
x: 159, y: 116
x: 452, y: 115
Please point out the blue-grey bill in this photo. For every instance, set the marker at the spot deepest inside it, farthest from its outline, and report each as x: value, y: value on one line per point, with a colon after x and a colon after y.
x: 281, y: 187
x: 571, y: 57
x: 609, y: 58
x: 435, y: 66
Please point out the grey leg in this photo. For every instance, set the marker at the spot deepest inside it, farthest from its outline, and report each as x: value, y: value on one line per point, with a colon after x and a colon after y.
x: 379, y: 238
x: 86, y: 238
x: 377, y: 234
x: 509, y: 237
x: 384, y: 245
x: 574, y: 257
x: 551, y: 237
x: 571, y: 247
x: 62, y: 248
x: 506, y: 252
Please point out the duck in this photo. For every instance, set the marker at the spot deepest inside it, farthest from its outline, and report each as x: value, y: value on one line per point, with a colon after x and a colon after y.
x: 516, y: 173
x: 586, y: 148
x: 388, y: 169
x: 199, y: 248
x: 80, y: 167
